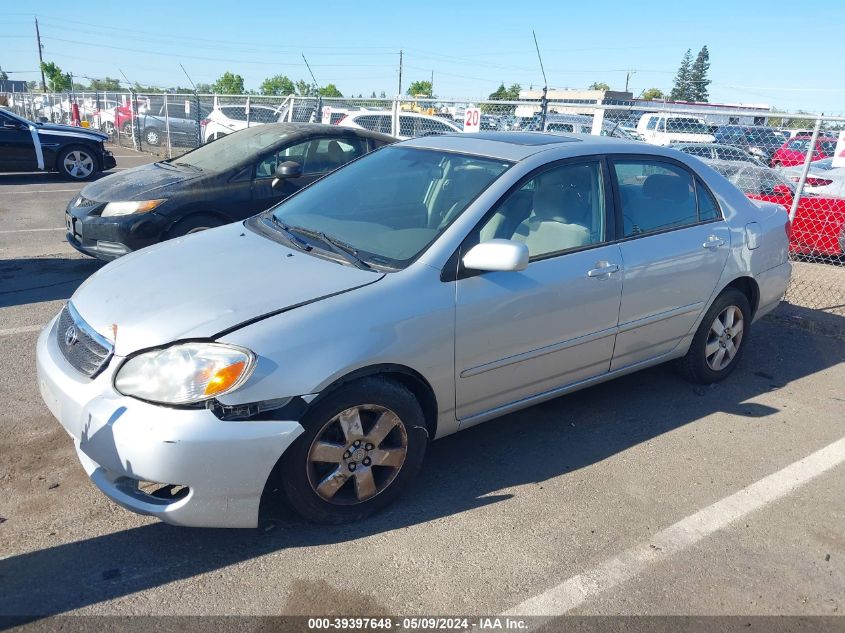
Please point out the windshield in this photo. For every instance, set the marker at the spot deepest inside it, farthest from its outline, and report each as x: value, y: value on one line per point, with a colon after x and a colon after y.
x: 766, y: 138
x: 686, y: 126
x: 232, y: 149
x: 828, y: 147
x: 12, y: 115
x: 390, y: 205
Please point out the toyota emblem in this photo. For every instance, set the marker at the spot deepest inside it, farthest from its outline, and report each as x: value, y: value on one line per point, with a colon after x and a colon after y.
x: 71, y: 336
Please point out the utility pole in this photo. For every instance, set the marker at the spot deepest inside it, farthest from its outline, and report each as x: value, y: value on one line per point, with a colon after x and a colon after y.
x: 400, y: 73
x: 40, y: 57
x: 627, y: 77
x: 431, y: 89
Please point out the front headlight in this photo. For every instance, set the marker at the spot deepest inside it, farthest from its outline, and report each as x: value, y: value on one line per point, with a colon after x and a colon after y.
x: 130, y: 207
x: 185, y: 373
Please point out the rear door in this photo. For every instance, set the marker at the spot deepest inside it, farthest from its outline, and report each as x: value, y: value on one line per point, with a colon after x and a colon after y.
x: 674, y: 247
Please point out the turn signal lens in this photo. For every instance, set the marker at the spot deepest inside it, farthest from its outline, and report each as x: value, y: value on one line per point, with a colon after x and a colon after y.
x: 225, y: 378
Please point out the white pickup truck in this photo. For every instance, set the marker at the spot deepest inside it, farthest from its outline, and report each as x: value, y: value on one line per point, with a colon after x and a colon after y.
x: 664, y: 128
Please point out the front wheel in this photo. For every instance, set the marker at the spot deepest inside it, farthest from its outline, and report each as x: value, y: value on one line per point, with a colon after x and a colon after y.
x: 152, y: 136
x: 77, y: 163
x: 362, y: 447
x: 720, y: 339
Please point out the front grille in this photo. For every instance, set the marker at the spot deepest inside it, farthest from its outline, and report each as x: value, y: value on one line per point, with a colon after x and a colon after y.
x: 82, y: 347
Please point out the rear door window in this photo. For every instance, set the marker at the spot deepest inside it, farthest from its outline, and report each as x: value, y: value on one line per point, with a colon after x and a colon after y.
x: 654, y: 196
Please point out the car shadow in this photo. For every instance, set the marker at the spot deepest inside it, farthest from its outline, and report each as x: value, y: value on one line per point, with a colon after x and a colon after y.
x: 25, y: 281
x: 461, y: 473
x: 46, y: 178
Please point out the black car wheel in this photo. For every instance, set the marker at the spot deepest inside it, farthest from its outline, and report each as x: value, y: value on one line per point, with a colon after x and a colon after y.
x: 194, y: 224
x: 127, y: 129
x: 362, y: 447
x: 152, y: 136
x: 77, y: 163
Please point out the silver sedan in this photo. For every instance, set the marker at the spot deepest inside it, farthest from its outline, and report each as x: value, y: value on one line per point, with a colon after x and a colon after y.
x: 314, y: 350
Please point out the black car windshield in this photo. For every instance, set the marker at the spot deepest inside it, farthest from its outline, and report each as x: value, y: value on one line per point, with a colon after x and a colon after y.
x: 392, y: 204
x: 686, y: 126
x: 232, y: 149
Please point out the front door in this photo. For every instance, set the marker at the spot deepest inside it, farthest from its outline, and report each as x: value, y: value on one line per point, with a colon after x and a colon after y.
x: 17, y: 150
x: 520, y: 334
x: 317, y: 156
x: 675, y: 246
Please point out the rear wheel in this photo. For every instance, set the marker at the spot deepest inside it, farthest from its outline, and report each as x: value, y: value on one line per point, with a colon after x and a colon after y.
x: 363, y: 445
x: 720, y: 340
x: 152, y: 136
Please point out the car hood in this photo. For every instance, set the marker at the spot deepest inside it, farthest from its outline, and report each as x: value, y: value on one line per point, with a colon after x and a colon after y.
x: 70, y: 130
x: 203, y: 284
x: 137, y: 183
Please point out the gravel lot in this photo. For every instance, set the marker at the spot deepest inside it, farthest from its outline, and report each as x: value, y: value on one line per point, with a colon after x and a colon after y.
x: 646, y: 495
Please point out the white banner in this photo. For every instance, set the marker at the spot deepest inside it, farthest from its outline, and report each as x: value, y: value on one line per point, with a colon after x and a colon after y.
x: 839, y: 153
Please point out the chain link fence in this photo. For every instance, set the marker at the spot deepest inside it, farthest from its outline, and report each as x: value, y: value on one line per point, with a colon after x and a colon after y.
x: 785, y: 158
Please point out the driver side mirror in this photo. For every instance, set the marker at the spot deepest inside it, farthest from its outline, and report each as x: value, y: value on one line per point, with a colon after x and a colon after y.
x: 497, y: 255
x: 287, y: 169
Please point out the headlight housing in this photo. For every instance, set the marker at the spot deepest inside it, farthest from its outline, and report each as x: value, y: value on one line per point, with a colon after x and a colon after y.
x: 129, y: 207
x: 185, y: 373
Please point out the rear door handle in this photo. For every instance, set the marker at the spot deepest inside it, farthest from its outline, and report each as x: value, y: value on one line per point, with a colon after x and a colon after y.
x: 713, y: 242
x: 602, y: 270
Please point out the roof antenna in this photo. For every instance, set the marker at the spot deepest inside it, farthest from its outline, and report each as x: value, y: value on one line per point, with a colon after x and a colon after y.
x: 188, y: 76
x: 318, y: 113
x: 544, y: 102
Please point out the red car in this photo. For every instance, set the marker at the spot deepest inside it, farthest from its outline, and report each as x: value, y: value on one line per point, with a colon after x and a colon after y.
x: 819, y: 225
x: 794, y: 151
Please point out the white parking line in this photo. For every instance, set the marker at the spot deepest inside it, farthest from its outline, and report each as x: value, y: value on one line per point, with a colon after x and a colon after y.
x: 680, y: 536
x: 33, y: 230
x: 24, y: 329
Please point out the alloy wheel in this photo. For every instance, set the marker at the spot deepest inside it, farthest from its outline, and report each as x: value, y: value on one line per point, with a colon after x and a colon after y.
x: 78, y: 164
x: 724, y: 338
x: 357, y: 454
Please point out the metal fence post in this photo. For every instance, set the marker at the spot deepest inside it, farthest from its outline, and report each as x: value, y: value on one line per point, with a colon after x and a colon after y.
x: 805, y: 170
x: 167, y: 126
x: 290, y: 110
x: 197, y: 117
x: 247, y: 108
x: 394, y: 119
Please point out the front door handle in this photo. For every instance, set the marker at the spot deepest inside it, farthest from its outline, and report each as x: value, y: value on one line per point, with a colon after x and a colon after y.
x: 603, y: 270
x: 713, y: 242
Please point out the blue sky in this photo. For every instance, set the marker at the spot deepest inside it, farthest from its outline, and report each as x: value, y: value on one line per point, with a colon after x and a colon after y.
x: 756, y: 52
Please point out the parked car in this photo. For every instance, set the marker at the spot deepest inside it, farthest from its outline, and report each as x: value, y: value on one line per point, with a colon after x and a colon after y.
x: 758, y: 140
x: 716, y: 151
x: 75, y: 152
x: 663, y: 129
x: 228, y: 118
x: 819, y: 224
x: 794, y: 151
x: 123, y: 115
x: 314, y: 350
x: 822, y: 179
x: 411, y: 124
x: 159, y: 118
x: 230, y: 179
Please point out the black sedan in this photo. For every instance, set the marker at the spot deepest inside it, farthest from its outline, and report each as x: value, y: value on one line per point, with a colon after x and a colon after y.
x: 224, y: 181
x: 76, y: 153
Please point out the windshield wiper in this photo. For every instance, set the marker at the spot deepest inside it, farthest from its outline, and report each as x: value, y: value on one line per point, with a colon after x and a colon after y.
x: 194, y: 167
x: 293, y: 239
x: 336, y: 246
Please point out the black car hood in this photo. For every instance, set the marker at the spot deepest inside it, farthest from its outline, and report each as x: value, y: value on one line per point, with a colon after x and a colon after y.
x: 137, y: 183
x: 70, y: 130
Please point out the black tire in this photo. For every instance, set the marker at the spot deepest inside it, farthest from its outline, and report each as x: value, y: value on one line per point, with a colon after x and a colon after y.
x: 127, y: 129
x: 296, y: 471
x: 695, y: 364
x: 152, y: 136
x: 194, y: 224
x: 88, y: 160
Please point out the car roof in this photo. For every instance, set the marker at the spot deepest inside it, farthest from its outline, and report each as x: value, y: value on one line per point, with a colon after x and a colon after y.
x: 307, y: 129
x: 515, y: 146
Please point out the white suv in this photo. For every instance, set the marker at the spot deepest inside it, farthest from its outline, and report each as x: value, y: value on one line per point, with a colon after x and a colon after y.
x: 411, y: 124
x: 663, y: 129
x: 225, y: 119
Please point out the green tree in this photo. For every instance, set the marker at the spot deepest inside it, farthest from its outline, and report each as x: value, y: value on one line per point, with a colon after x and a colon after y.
x: 3, y: 75
x: 277, y: 85
x: 698, y: 76
x: 57, y: 81
x: 305, y: 89
x: 598, y: 85
x: 383, y: 95
x: 330, y: 91
x: 502, y: 94
x: 653, y: 94
x: 105, y: 84
x: 228, y: 84
x: 420, y: 88
x: 681, y: 86
x: 373, y: 96
x: 204, y: 88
